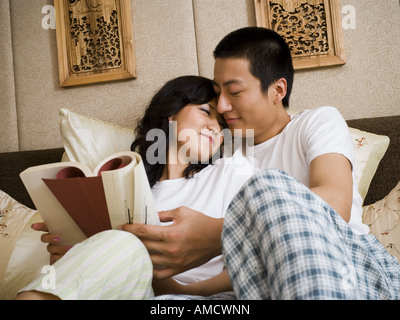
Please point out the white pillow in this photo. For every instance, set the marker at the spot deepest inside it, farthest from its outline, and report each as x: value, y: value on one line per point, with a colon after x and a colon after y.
x: 369, y: 149
x: 89, y: 140
x: 22, y: 253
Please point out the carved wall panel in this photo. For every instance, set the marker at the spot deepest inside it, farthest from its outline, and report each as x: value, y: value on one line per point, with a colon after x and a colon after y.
x: 312, y: 29
x: 94, y: 41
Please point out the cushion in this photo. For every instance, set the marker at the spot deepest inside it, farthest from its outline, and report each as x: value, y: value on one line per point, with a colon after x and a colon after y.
x: 21, y: 251
x: 89, y: 140
x: 383, y: 218
x: 369, y: 150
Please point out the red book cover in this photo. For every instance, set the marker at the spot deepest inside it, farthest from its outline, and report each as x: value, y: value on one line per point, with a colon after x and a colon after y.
x: 84, y: 199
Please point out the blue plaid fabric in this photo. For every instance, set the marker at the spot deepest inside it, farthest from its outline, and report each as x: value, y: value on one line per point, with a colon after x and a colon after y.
x: 281, y: 241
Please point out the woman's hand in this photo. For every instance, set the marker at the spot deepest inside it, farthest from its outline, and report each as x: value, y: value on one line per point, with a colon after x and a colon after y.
x: 56, y: 250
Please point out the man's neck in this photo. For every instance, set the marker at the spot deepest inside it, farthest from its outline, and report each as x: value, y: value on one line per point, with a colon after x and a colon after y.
x: 280, y: 124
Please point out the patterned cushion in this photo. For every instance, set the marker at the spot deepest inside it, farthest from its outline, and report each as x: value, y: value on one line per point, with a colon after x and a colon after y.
x: 383, y: 218
x: 369, y: 150
x: 21, y: 251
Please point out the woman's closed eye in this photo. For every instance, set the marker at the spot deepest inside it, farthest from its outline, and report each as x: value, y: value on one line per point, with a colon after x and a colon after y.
x: 206, y: 110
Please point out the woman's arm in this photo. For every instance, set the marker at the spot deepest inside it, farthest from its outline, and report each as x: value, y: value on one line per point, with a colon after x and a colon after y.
x: 217, y: 284
x: 193, y: 239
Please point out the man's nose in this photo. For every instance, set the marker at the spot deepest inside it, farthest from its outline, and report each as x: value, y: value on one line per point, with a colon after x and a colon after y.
x: 223, y: 104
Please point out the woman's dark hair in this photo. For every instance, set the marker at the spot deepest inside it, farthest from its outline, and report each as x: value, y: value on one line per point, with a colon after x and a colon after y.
x: 267, y: 52
x: 169, y: 100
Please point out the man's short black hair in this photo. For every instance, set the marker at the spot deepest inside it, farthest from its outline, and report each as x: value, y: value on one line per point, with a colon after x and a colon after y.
x: 267, y: 52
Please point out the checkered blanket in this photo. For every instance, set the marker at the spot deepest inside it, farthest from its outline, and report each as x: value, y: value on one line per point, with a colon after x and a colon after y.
x: 281, y: 241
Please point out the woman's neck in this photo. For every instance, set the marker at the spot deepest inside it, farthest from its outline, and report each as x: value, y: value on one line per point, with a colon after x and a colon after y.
x: 173, y: 168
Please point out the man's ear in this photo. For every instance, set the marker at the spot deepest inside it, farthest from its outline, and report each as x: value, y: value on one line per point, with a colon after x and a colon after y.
x: 279, y: 90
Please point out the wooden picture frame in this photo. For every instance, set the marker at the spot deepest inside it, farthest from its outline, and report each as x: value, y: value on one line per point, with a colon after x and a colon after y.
x: 312, y: 28
x: 94, y: 41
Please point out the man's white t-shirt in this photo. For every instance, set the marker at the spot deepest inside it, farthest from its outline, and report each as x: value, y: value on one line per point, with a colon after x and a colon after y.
x: 309, y: 134
x: 210, y: 192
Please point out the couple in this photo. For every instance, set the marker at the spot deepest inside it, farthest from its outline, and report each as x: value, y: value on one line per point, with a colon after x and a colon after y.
x: 292, y: 230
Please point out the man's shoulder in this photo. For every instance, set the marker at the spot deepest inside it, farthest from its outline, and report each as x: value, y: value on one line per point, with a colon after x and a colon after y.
x: 316, y: 117
x: 324, y: 111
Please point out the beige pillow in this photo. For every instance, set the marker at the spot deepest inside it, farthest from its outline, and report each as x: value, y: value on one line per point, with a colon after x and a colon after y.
x: 22, y: 253
x: 383, y: 218
x: 369, y: 150
x: 89, y: 140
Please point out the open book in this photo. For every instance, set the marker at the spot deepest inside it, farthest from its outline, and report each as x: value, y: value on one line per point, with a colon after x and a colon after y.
x: 76, y: 203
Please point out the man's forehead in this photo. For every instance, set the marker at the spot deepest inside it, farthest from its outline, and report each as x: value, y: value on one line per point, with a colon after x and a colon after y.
x: 229, y: 71
x: 229, y: 82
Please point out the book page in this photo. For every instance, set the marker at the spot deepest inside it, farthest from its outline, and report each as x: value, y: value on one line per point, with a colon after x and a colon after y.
x: 119, y: 190
x: 128, y: 193
x: 145, y: 209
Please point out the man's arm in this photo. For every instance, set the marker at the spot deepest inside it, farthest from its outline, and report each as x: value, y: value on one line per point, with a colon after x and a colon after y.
x: 331, y: 179
x: 190, y: 241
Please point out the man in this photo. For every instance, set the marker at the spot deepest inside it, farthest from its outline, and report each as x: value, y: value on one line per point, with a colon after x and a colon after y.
x: 294, y: 230
x: 281, y: 239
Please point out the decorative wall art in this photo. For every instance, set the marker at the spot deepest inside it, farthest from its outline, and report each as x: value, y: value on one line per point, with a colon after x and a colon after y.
x: 94, y: 41
x: 312, y: 28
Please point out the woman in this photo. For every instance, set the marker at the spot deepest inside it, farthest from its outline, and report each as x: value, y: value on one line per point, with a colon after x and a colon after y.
x: 115, y: 264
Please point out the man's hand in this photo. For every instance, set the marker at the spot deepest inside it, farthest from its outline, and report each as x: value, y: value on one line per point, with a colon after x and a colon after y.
x: 190, y: 241
x: 56, y: 250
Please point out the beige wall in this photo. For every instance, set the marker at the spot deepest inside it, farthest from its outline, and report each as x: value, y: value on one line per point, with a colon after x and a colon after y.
x: 177, y: 37
x: 163, y: 50
x: 367, y: 86
x: 8, y: 112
